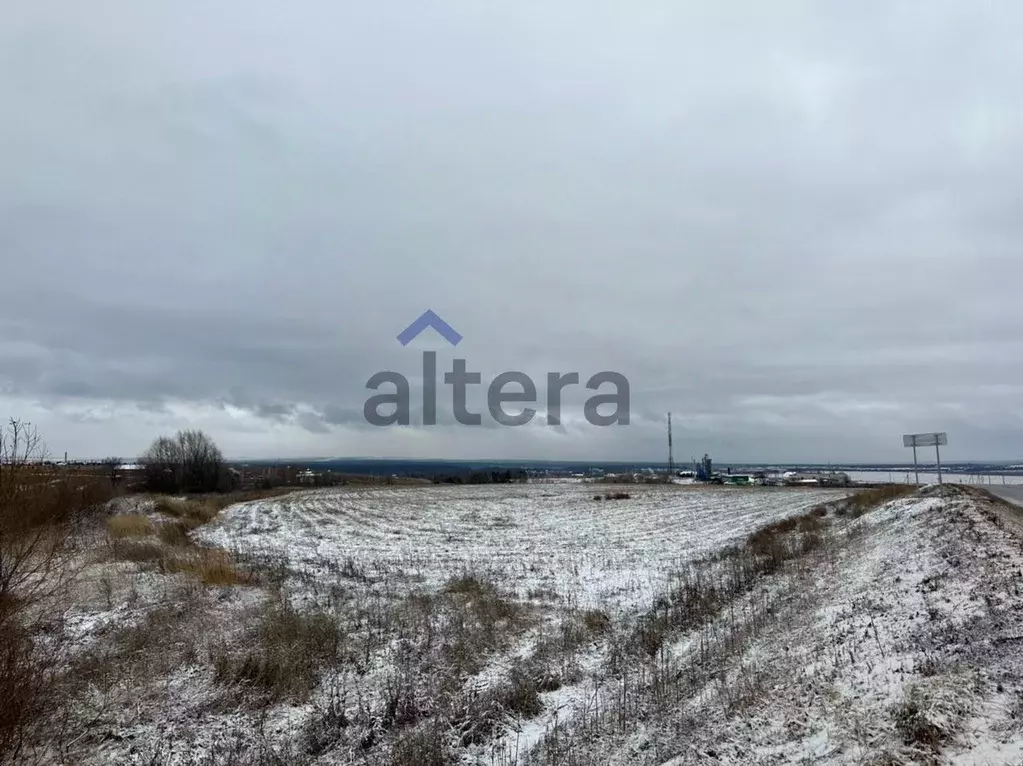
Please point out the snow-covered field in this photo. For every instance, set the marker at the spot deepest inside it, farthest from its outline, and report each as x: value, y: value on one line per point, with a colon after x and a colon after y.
x: 534, y: 624
x: 607, y: 554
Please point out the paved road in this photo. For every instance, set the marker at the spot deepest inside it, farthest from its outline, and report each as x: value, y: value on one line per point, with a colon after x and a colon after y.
x: 1014, y: 494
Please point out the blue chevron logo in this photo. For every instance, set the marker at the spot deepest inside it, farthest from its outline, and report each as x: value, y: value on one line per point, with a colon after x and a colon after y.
x: 429, y: 319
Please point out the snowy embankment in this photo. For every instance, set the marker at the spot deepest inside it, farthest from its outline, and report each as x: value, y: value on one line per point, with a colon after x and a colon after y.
x: 902, y: 643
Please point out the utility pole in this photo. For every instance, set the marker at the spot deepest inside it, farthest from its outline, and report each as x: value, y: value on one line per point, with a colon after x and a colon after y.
x: 671, y: 458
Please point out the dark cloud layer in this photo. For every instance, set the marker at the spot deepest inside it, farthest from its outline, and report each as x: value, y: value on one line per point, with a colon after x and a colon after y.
x: 796, y: 228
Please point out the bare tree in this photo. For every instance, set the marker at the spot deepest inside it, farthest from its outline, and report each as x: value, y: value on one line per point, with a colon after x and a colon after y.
x: 188, y: 462
x: 33, y: 531
x: 112, y: 464
x: 28, y: 545
x: 163, y: 465
x: 39, y: 503
x: 203, y: 461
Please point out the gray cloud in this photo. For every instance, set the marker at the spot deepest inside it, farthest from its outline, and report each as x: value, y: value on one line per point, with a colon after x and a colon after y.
x: 796, y: 228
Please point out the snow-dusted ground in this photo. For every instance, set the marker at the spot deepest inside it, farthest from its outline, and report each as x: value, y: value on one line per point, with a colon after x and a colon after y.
x: 900, y: 644
x: 898, y: 641
x: 607, y: 554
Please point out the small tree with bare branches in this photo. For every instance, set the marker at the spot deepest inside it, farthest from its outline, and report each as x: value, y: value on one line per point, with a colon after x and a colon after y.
x: 33, y: 529
x: 112, y: 464
x: 188, y: 462
x: 28, y: 546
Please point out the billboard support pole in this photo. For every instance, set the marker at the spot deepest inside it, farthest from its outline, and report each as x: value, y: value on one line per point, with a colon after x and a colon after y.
x: 924, y: 440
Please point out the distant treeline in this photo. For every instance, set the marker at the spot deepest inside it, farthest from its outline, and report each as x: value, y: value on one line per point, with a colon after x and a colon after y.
x: 480, y: 477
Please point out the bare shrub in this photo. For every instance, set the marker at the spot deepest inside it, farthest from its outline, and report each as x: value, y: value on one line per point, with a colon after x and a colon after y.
x: 469, y: 584
x: 39, y: 504
x: 291, y: 649
x: 913, y: 724
x: 596, y: 621
x: 520, y: 694
x: 24, y: 690
x: 129, y: 525
x: 479, y: 618
x: 475, y: 716
x: 326, y: 726
x: 422, y: 746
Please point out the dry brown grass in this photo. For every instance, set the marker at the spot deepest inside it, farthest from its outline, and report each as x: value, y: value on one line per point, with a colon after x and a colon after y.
x: 175, y: 533
x: 138, y: 551
x: 197, y: 512
x: 868, y: 499
x: 194, y: 511
x: 210, y: 566
x: 129, y: 525
x: 290, y: 649
x: 175, y: 554
x: 915, y: 726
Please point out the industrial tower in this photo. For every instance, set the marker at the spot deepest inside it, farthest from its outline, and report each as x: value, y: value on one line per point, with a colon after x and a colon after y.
x: 671, y: 459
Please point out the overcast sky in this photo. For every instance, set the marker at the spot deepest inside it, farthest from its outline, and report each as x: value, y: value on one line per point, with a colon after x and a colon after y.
x: 797, y: 226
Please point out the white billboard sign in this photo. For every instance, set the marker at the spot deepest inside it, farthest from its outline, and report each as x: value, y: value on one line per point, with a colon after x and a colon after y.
x: 925, y: 440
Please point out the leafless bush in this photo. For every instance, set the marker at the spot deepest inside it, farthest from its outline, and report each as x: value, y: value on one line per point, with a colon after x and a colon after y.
x: 291, y: 649
x: 422, y: 746
x: 520, y: 693
x: 327, y: 724
x: 479, y: 617
x: 25, y: 690
x: 913, y: 724
x: 38, y: 504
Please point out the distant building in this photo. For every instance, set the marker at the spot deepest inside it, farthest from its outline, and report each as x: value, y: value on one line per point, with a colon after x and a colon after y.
x: 705, y: 469
x: 824, y: 479
x: 741, y: 479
